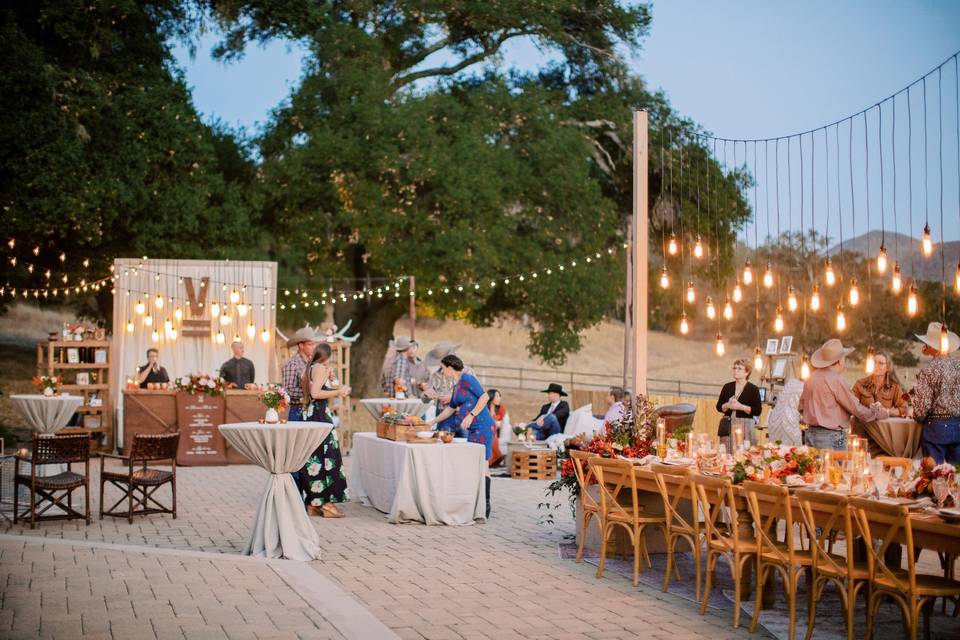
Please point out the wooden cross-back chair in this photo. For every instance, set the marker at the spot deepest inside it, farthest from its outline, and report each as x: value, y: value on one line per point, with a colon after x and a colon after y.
x: 590, y: 505
x: 896, y: 462
x: 616, y: 477
x: 718, y: 503
x: 881, y: 526
x: 50, y: 491
x: 678, y: 525
x: 140, y: 484
x: 773, y: 555
x: 846, y: 574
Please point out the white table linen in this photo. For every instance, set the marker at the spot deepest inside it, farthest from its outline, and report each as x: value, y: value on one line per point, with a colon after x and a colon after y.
x: 281, y: 527
x: 46, y: 414
x: 410, y: 406
x: 430, y: 483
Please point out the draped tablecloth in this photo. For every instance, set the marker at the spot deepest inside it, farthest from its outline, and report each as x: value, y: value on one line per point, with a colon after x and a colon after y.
x: 46, y: 414
x: 410, y: 406
x: 281, y: 528
x: 897, y: 436
x: 430, y: 483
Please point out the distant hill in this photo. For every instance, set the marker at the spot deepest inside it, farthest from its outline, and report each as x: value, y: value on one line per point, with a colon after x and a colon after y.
x: 868, y: 244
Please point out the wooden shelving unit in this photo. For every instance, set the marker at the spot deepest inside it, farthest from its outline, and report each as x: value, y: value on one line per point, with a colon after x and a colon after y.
x: 53, y: 360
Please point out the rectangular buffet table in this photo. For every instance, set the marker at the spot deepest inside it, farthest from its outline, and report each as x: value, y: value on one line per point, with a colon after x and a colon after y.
x: 151, y: 411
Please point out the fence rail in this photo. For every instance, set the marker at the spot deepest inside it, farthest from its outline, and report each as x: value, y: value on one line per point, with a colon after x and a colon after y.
x: 522, y: 378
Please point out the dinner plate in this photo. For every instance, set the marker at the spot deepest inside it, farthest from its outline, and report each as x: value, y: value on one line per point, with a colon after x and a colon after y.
x: 459, y: 439
x: 678, y: 462
x: 424, y: 434
x: 951, y: 516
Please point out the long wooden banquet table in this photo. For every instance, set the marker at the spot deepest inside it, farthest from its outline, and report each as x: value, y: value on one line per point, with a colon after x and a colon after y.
x: 929, y: 530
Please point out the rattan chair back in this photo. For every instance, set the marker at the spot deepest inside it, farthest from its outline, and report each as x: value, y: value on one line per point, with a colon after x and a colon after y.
x: 159, y: 446
x: 61, y: 448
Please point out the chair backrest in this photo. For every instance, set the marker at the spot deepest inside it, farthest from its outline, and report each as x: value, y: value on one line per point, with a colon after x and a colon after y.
x: 585, y: 476
x: 769, y: 504
x: 62, y: 448
x: 881, y: 524
x: 676, y: 484
x: 839, y: 519
x: 158, y: 446
x: 718, y: 502
x: 893, y: 461
x: 615, y: 477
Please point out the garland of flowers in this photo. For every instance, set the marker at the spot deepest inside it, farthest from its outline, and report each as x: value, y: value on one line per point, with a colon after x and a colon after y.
x: 201, y: 384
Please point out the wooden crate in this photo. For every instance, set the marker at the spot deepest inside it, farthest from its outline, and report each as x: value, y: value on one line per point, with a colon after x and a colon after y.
x: 398, y: 432
x: 533, y: 465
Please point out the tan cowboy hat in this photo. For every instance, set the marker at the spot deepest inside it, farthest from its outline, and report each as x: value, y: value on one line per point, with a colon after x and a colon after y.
x: 306, y: 334
x: 932, y: 339
x: 403, y: 343
x: 831, y: 351
x: 439, y: 352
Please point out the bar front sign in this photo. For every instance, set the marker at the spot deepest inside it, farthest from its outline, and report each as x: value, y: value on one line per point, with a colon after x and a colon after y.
x: 198, y: 417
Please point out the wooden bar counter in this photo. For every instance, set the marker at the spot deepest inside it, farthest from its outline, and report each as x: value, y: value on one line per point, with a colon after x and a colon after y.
x: 156, y: 411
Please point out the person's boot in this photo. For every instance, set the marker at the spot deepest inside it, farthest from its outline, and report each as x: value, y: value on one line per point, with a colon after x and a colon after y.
x: 487, y: 482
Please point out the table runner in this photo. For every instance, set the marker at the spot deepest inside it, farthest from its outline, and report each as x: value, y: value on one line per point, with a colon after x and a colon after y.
x: 46, y: 414
x: 429, y: 483
x: 281, y: 527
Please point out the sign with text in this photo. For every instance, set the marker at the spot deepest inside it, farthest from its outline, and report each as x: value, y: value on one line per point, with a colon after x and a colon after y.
x: 198, y: 417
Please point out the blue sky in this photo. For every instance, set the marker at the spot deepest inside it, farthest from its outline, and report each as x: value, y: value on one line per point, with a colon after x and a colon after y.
x: 742, y: 69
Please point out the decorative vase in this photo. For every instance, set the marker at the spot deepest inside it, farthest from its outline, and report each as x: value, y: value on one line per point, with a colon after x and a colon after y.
x: 48, y: 391
x: 271, y: 417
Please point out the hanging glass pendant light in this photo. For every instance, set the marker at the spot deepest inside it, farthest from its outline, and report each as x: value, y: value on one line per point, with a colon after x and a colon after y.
x: 140, y: 307
x: 956, y: 279
x: 841, y: 319
x: 251, y: 331
x: 882, y: 260
x: 815, y: 298
x: 684, y: 325
x: 720, y: 348
x: 664, y: 279
x: 944, y: 340
x: 758, y: 359
x: 912, y: 301
x: 691, y: 293
x: 148, y: 320
x: 869, y: 364
x: 737, y: 291
x: 158, y: 301
x: 129, y: 326
x: 178, y: 314
x: 747, y: 272
x: 804, y: 368
x: 672, y: 246
x: 728, y: 309
x: 265, y: 335
x: 768, y: 277
x: 854, y: 293
x: 242, y: 309
x: 220, y: 337
x: 829, y: 276
x: 792, y: 304
x: 711, y: 310
x: 778, y: 321
x: 897, y: 283
x: 155, y: 336
x: 214, y: 308
x: 698, y: 249
x: 926, y: 245
x: 234, y: 296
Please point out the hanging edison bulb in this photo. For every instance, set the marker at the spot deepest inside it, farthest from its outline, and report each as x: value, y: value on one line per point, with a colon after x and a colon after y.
x: 778, y: 321
x: 882, y: 260
x: 167, y: 326
x: 148, y: 320
x: 214, y: 308
x: 155, y: 336
x: 178, y: 314
x: 242, y: 309
x: 158, y: 301
x: 829, y: 275
x: 251, y: 331
x: 747, y: 272
x: 792, y: 299
x: 672, y: 246
x: 944, y: 340
x: 768, y: 277
x: 220, y: 337
x: 684, y: 325
x: 664, y: 278
x: 926, y: 245
x: 804, y: 368
x: 711, y: 310
x: 691, y: 293
x: 698, y: 249
x: 173, y: 334
x: 224, y: 319
x: 815, y: 298
x: 234, y: 296
x: 129, y: 326
x: 841, y: 319
x: 897, y: 283
x: 869, y: 364
x: 912, y: 301
x: 854, y: 293
x: 956, y: 279
x: 758, y: 359
x: 737, y: 291
x: 140, y: 307
x: 265, y: 335
x: 728, y: 310
x: 720, y: 348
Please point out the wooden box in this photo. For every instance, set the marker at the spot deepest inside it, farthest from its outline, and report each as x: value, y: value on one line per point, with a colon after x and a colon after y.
x: 398, y: 432
x: 534, y: 465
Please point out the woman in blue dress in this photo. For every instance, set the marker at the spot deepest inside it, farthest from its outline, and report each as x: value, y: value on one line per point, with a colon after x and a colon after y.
x: 469, y: 402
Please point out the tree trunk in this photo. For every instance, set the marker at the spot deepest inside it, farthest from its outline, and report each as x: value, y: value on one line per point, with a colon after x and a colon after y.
x: 374, y: 323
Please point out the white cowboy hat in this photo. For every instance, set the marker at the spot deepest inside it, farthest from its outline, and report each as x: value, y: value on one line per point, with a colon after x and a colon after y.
x: 932, y: 339
x: 403, y: 343
x: 306, y: 334
x: 439, y: 352
x: 831, y: 351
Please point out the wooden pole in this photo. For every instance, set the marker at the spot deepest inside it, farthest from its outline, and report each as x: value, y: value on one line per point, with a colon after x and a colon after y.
x: 628, y: 310
x: 413, y: 307
x: 639, y: 250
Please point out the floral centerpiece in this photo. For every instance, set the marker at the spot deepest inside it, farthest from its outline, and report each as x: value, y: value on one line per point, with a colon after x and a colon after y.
x: 929, y: 471
x: 275, y: 398
x: 201, y: 383
x: 48, y: 384
x: 778, y: 463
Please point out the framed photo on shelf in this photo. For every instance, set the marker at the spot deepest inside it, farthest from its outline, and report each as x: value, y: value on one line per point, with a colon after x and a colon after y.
x: 94, y: 400
x: 83, y: 377
x: 786, y: 344
x: 100, y: 356
x: 73, y: 355
x: 779, y: 368
x: 772, y: 344
x: 92, y: 421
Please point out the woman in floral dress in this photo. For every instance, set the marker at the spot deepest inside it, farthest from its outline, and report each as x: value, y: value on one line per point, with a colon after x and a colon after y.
x: 322, y: 482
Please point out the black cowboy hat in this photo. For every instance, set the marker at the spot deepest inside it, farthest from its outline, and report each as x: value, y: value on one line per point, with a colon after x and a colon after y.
x: 556, y: 388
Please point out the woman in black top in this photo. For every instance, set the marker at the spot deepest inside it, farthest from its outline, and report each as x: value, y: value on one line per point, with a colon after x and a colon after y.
x: 740, y: 398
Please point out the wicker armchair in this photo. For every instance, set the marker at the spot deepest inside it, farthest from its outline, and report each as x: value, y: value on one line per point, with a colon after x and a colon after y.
x: 47, y: 492
x: 139, y: 485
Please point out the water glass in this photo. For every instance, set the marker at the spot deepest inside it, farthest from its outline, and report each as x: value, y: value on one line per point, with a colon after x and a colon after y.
x: 940, y: 490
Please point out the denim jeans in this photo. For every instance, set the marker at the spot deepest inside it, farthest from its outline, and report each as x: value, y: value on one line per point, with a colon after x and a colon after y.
x: 550, y: 426
x: 940, y: 440
x: 821, y: 438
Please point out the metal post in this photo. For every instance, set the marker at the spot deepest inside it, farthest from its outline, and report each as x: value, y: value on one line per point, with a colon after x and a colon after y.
x: 639, y: 249
x: 413, y: 307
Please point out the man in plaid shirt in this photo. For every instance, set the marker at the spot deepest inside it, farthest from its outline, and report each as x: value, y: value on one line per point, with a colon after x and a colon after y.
x: 305, y: 340
x: 406, y: 366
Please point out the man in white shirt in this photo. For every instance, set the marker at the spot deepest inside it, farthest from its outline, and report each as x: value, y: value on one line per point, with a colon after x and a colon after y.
x: 614, y: 405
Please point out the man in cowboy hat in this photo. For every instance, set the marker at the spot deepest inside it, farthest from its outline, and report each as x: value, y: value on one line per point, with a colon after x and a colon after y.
x: 438, y: 388
x: 305, y: 340
x: 405, y: 367
x: 553, y: 415
x: 936, y: 395
x: 827, y: 401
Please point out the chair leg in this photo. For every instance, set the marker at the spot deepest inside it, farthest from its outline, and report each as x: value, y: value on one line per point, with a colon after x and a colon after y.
x: 671, y: 543
x: 851, y: 608
x: 86, y: 499
x: 604, y: 535
x: 102, y: 483
x: 696, y: 568
x: 637, y: 546
x: 812, y: 608
x: 130, y: 491
x: 761, y: 577
x: 707, y: 582
x: 642, y: 544
x: 33, y: 508
x: 792, y: 601
x: 927, y: 611
x: 173, y: 488
x: 583, y: 529
x: 16, y: 501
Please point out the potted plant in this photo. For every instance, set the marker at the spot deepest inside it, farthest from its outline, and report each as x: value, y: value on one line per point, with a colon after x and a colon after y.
x: 49, y: 384
x: 274, y: 398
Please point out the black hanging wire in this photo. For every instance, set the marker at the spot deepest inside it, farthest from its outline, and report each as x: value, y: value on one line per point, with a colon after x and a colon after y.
x: 756, y: 233
x: 896, y: 221
x: 866, y: 143
x: 956, y: 97
x: 836, y: 139
x: 826, y: 181
x: 853, y: 197
x: 663, y: 226
x: 943, y: 259
x: 926, y: 174
x: 910, y: 177
x: 883, y: 218
x: 866, y: 176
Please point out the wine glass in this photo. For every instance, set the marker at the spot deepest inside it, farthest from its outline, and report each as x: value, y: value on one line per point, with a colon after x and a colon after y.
x: 940, y: 490
x: 881, y: 476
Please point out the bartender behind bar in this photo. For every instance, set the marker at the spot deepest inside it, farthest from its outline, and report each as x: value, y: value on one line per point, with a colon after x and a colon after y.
x: 152, y: 372
x: 238, y: 372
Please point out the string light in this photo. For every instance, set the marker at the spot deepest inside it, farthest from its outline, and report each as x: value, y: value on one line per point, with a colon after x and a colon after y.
x: 155, y: 336
x: 235, y: 296
x: 815, y: 298
x: 882, y: 260
x: 167, y: 326
x: 140, y: 308
x: 672, y: 246
x: 148, y: 320
x: 129, y: 326
x: 214, y: 308
x: 778, y: 321
x: 747, y: 272
x: 768, y: 277
x: 178, y: 314
x: 854, y: 293
x: 829, y: 275
x: 758, y: 359
x: 912, y: 301
x: 728, y: 310
x: 691, y: 293
x: 265, y: 335
x: 243, y: 308
x: 684, y: 325
x: 841, y: 318
x: 792, y: 304
x: 720, y: 348
x: 711, y: 310
x: 944, y: 340
x: 698, y: 249
x: 173, y: 334
x: 251, y: 331
x: 804, y: 368
x: 219, y: 338
x: 926, y: 245
x: 158, y: 301
x: 956, y: 279
x: 737, y: 292
x: 664, y: 279
x: 870, y: 364
x: 897, y: 282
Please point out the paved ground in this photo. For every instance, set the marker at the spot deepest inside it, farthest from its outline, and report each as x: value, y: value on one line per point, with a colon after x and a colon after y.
x: 164, y: 578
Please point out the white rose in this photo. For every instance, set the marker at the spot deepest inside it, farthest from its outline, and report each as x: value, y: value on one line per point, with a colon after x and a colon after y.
x: 185, y: 381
